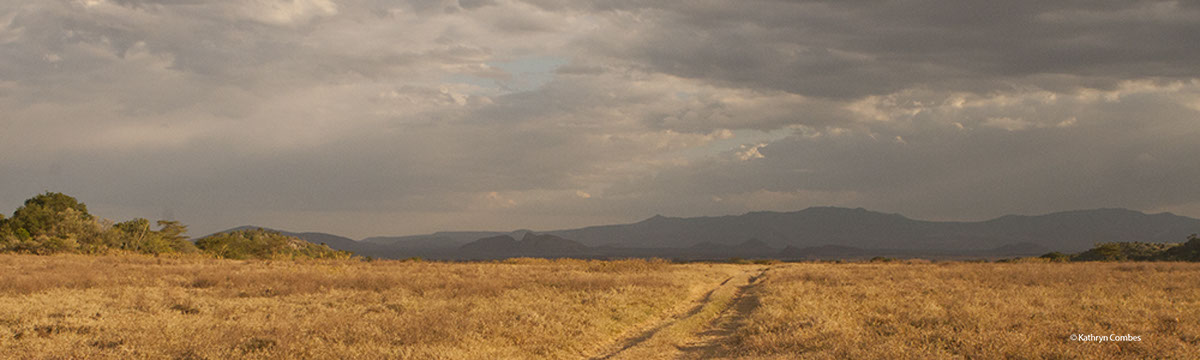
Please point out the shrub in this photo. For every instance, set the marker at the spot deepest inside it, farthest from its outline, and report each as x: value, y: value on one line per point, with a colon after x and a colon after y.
x: 1056, y: 257
x: 1125, y: 251
x: 55, y: 223
x: 264, y: 244
x: 40, y: 214
x: 135, y: 235
x: 1189, y: 251
x: 738, y: 260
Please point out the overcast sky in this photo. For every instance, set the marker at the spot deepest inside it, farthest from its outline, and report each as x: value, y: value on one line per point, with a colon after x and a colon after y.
x: 366, y: 118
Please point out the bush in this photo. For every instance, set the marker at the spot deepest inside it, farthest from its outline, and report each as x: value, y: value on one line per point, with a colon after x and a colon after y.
x: 55, y: 223
x: 1125, y: 251
x: 1140, y: 251
x: 48, y: 223
x: 40, y: 214
x: 1189, y: 251
x: 135, y: 235
x: 264, y: 244
x: 1056, y: 257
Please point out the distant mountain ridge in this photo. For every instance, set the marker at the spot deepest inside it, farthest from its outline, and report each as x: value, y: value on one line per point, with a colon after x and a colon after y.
x: 816, y: 231
x: 746, y: 249
x: 816, y: 226
x: 531, y: 244
x: 436, y: 240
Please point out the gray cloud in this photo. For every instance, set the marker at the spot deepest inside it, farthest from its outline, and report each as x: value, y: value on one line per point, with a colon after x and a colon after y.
x: 375, y: 117
x: 954, y: 161
x: 852, y: 49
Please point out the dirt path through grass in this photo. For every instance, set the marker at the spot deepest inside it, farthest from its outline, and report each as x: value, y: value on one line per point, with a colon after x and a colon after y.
x: 709, y: 344
x: 700, y: 331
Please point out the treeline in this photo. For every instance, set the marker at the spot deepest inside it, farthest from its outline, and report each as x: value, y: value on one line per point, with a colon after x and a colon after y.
x: 1136, y: 251
x: 54, y: 223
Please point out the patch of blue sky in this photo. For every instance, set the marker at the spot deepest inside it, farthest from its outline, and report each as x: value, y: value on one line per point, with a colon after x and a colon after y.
x: 528, y: 73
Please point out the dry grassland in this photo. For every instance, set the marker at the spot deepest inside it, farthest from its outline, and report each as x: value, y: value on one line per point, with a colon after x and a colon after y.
x: 973, y: 311
x: 198, y: 308
x: 195, y: 308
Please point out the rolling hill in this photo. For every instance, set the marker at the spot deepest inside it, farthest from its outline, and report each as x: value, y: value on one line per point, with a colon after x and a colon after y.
x: 813, y: 232
x: 1062, y: 231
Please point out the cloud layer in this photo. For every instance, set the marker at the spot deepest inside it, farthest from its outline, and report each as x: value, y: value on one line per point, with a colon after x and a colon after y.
x: 379, y: 117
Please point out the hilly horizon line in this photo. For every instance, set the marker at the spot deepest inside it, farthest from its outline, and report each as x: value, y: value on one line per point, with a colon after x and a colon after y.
x: 660, y: 216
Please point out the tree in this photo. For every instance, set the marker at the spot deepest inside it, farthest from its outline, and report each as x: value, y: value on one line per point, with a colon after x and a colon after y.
x: 172, y: 233
x: 49, y: 223
x: 136, y: 235
x: 54, y: 222
x: 40, y: 213
x: 172, y: 229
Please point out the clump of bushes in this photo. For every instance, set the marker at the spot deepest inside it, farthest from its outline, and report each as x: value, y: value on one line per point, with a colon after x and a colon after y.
x: 1125, y: 251
x: 1056, y: 257
x: 57, y: 223
x: 1188, y: 251
x: 1135, y: 251
x: 737, y: 260
x: 264, y: 244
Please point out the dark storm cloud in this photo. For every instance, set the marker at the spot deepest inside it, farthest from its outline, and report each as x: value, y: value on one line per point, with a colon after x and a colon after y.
x: 1087, y: 153
x: 380, y: 117
x: 848, y: 49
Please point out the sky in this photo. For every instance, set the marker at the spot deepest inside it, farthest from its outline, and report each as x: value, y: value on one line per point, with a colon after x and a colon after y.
x: 365, y: 118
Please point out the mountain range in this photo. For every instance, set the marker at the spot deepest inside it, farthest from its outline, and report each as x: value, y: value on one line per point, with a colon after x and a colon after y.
x: 813, y: 233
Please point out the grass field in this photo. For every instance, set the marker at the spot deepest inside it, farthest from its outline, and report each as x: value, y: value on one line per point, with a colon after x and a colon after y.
x: 199, y: 308
x: 970, y: 310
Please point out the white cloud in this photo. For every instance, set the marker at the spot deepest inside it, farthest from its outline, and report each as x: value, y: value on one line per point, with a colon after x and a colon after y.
x: 750, y: 152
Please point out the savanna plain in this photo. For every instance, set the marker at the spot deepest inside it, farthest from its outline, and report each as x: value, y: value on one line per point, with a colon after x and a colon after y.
x: 192, y: 307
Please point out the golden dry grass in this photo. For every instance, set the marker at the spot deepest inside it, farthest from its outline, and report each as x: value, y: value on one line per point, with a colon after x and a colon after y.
x: 198, y: 308
x: 957, y: 310
x: 675, y: 338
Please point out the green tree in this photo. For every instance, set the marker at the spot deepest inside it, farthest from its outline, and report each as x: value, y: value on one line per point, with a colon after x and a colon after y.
x: 137, y: 235
x: 54, y: 222
x: 49, y: 223
x: 172, y: 233
x: 40, y: 213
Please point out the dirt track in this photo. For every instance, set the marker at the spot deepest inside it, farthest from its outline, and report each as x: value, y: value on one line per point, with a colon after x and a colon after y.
x: 700, y: 332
